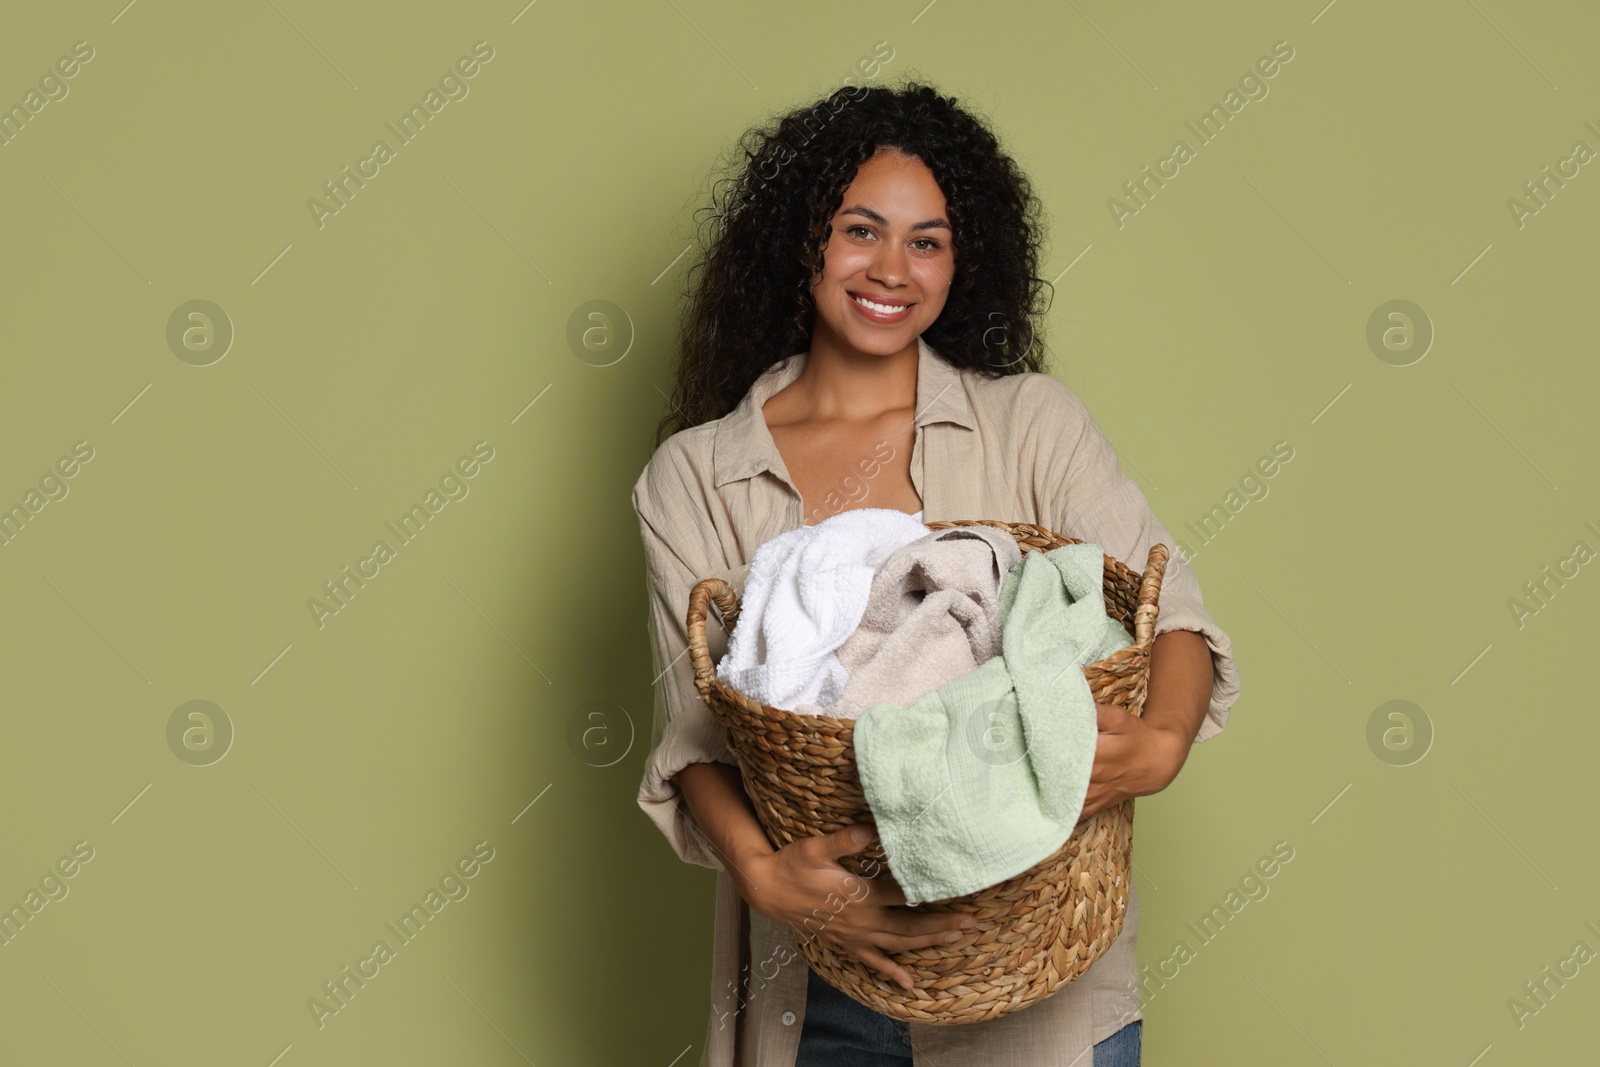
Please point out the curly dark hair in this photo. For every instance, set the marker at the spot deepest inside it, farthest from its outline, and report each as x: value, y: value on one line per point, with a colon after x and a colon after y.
x: 749, y: 301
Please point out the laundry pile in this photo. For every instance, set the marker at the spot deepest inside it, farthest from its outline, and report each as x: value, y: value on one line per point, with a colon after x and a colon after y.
x: 960, y: 658
x: 804, y: 594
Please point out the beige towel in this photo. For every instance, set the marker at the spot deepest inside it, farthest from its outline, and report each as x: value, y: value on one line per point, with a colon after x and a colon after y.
x: 933, y: 615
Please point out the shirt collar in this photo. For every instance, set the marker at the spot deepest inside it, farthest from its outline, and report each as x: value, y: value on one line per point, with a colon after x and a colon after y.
x: 743, y: 446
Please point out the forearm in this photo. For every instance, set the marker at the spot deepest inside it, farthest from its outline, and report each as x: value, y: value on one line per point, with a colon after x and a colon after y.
x: 1179, y: 691
x: 714, y: 793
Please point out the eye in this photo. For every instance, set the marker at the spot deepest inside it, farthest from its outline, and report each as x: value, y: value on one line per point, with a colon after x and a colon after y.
x: 923, y: 244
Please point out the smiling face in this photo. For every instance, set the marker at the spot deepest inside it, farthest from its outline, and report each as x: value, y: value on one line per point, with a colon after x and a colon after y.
x: 889, y: 244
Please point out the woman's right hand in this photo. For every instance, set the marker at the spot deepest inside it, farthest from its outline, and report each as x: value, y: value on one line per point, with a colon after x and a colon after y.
x: 795, y: 883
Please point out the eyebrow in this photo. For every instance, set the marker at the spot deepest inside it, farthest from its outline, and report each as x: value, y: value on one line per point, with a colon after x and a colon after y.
x: 930, y: 224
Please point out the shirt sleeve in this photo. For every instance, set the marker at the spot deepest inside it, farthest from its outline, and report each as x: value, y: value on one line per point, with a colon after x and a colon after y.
x: 683, y: 731
x: 1082, y: 488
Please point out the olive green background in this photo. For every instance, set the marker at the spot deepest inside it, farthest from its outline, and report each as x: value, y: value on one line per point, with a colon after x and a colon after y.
x: 492, y: 682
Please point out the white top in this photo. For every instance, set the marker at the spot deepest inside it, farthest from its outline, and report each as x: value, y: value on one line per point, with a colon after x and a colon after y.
x: 918, y: 515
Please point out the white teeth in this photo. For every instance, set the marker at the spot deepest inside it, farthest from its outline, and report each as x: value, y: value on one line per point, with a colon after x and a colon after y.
x: 888, y: 309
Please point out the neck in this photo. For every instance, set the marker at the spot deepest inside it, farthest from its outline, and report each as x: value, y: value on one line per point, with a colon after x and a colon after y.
x: 839, y: 381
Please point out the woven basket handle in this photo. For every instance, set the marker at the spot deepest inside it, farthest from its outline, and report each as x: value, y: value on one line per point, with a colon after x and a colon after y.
x: 1144, y: 619
x: 704, y: 591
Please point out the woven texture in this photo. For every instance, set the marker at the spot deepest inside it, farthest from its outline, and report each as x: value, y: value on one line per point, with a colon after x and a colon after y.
x: 1034, y: 932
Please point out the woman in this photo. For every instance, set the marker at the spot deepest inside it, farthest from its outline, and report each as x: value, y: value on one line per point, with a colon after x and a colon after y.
x: 862, y: 333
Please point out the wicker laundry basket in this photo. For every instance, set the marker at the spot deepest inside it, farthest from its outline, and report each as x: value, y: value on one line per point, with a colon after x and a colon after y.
x: 1035, y: 931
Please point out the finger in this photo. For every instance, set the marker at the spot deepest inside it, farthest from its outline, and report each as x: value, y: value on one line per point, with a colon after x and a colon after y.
x: 884, y: 965
x: 916, y: 921
x: 905, y: 943
x: 850, y: 840
x: 886, y: 891
x: 874, y: 869
x: 1109, y: 717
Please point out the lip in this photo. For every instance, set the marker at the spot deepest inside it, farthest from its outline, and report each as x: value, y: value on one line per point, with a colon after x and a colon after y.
x: 878, y: 316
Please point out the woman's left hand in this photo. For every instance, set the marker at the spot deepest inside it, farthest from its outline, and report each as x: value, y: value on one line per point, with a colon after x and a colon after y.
x: 1132, y: 758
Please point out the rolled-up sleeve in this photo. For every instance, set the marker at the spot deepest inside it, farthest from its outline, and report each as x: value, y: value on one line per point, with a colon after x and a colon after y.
x: 684, y: 731
x: 1084, y: 489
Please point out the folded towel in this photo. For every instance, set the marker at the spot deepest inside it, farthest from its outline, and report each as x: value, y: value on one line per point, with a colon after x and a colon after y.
x: 933, y: 614
x: 985, y: 776
x: 804, y: 595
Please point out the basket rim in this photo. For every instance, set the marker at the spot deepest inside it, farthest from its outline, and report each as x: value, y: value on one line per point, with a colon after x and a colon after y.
x: 728, y: 601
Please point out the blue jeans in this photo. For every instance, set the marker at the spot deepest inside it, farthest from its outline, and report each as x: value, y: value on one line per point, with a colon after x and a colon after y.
x: 840, y: 1031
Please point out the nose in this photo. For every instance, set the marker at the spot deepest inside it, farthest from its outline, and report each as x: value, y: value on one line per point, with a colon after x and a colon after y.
x: 888, y: 267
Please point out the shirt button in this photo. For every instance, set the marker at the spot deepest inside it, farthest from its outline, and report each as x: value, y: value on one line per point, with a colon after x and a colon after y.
x: 788, y: 1018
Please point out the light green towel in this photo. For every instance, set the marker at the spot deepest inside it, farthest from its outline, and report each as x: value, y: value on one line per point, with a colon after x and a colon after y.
x: 985, y: 776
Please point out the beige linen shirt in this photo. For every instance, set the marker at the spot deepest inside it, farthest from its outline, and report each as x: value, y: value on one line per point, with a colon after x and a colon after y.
x: 1021, y: 448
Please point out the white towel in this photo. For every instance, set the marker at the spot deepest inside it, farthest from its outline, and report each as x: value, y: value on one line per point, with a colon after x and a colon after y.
x: 804, y: 594
x: 933, y: 614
